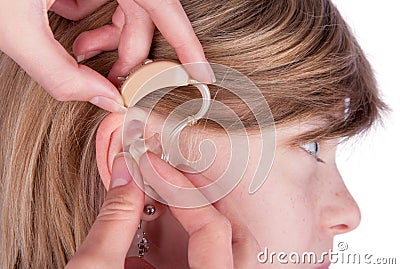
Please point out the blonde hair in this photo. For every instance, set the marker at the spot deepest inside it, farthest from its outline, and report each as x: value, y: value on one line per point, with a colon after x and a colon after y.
x: 301, y: 55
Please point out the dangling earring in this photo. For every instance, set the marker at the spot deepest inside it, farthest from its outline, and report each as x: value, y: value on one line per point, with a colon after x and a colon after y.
x: 143, y: 243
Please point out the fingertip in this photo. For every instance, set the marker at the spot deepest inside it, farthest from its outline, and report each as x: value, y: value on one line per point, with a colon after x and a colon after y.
x: 108, y: 104
x: 79, y: 47
x: 149, y: 166
x: 201, y: 71
x: 93, y: 42
x: 114, y: 78
x: 119, y: 71
x: 124, y: 170
x: 121, y: 175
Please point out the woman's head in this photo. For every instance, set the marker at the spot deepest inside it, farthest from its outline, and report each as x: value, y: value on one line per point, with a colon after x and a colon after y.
x: 300, y: 54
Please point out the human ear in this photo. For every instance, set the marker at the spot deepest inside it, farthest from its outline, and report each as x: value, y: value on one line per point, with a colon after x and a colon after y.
x: 110, y: 132
x: 108, y: 144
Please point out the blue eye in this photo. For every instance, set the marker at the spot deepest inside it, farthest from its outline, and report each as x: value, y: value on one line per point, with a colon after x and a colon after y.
x: 312, y: 148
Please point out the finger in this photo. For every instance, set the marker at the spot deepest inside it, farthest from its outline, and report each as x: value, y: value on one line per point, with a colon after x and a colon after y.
x: 76, y: 9
x: 45, y: 60
x: 135, y: 40
x: 226, y: 206
x: 209, y: 231
x: 174, y: 25
x: 245, y: 245
x: 105, y: 38
x: 112, y: 233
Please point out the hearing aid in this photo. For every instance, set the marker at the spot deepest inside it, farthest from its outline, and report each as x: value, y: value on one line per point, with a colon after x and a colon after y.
x: 153, y: 76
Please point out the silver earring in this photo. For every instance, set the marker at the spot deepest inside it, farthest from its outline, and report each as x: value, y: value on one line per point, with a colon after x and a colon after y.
x: 149, y: 209
x: 144, y: 244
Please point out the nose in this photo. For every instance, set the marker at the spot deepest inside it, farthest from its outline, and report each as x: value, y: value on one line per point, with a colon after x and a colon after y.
x: 339, y: 211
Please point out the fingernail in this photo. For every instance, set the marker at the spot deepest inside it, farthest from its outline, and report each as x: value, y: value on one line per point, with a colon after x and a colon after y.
x: 211, y: 73
x: 202, y: 72
x: 120, y: 173
x: 108, y: 104
x: 80, y: 58
x: 88, y: 55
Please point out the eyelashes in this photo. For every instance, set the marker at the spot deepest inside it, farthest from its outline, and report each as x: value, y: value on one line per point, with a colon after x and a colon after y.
x: 312, y: 148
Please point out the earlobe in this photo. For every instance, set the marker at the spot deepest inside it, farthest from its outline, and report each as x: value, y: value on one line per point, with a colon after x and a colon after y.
x: 108, y: 144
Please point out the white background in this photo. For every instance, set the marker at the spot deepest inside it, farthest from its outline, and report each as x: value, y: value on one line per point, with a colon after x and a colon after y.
x: 371, y: 168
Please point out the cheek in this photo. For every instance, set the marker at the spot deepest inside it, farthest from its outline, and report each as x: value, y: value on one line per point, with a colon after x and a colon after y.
x: 208, y: 154
x: 282, y: 213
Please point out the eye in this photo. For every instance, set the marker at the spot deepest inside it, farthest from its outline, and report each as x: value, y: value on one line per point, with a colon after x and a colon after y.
x: 312, y: 148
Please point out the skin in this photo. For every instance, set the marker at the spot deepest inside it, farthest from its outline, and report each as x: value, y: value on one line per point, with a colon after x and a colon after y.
x: 26, y: 37
x: 301, y: 207
x: 303, y: 204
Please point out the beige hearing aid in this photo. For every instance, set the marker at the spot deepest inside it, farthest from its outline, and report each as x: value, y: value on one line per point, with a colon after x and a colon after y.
x: 154, y: 75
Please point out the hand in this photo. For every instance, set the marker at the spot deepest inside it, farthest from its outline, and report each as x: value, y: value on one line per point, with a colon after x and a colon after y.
x: 215, y: 229
x: 218, y: 237
x: 132, y: 32
x: 112, y: 233
x: 27, y: 38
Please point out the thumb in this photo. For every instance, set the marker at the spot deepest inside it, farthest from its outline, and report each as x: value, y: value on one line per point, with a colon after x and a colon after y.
x: 112, y: 233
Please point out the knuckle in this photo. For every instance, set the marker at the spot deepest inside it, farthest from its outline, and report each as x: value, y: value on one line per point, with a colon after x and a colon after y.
x: 118, y: 207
